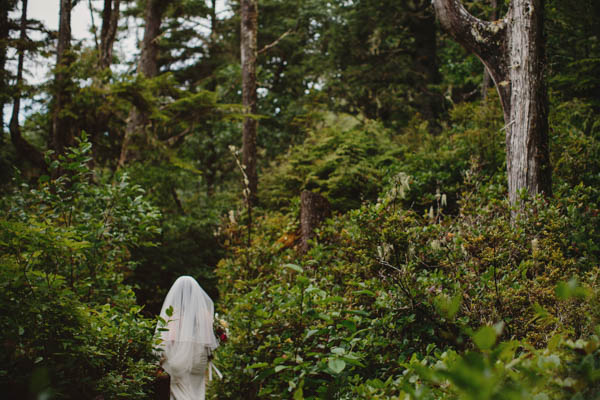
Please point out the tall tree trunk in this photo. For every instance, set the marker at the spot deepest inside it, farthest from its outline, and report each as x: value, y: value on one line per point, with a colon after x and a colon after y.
x: 213, y: 22
x: 108, y: 32
x: 5, y: 7
x: 63, y: 124
x: 24, y: 149
x: 486, y: 82
x: 249, y: 31
x: 528, y: 155
x: 512, y: 49
x: 423, y: 29
x: 210, y: 174
x: 147, y: 66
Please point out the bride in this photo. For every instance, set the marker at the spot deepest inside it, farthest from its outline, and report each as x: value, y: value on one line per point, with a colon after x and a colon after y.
x: 187, y: 339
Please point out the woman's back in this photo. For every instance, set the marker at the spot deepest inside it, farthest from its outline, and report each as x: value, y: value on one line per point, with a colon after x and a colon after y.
x: 187, y: 339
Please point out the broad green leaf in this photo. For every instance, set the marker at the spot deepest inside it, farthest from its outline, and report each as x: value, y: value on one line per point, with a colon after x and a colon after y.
x: 298, y: 394
x: 337, y: 365
x: 281, y: 367
x: 485, y: 337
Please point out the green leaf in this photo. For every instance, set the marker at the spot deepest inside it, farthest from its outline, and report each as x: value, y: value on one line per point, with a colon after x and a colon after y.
x: 257, y: 365
x: 485, y: 337
x: 310, y: 333
x: 337, y: 365
x: 362, y: 313
x: 295, y: 267
x: 298, y: 394
x: 447, y: 306
x: 265, y: 373
x: 365, y: 292
x: 571, y: 289
x: 350, y: 325
x: 281, y: 367
x: 353, y: 361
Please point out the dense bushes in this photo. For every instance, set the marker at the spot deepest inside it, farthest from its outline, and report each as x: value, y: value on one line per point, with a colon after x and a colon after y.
x: 70, y: 327
x: 423, y: 284
x: 429, y: 292
x: 341, y: 158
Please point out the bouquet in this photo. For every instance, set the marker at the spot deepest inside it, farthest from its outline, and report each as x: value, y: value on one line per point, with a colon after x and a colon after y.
x: 221, y: 328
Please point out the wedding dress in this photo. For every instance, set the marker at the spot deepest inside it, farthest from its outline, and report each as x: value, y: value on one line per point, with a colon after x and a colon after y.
x: 187, y: 339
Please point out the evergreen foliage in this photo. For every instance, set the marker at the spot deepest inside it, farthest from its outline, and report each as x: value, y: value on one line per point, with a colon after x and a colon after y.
x: 423, y: 284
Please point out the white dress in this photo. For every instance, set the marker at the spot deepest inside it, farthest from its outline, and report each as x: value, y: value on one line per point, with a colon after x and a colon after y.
x: 187, y: 339
x: 191, y: 385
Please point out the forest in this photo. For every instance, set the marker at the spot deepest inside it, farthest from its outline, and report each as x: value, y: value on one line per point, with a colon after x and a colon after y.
x: 386, y: 199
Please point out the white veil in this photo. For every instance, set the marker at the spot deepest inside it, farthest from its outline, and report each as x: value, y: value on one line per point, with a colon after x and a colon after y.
x: 189, y: 328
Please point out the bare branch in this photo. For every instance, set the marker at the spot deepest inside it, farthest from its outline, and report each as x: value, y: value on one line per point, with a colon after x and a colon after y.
x: 487, y: 40
x: 276, y: 42
x: 479, y: 36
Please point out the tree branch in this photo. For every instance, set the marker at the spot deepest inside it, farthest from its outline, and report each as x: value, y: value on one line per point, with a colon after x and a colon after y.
x: 487, y: 40
x: 276, y: 42
x: 416, y: 7
x: 481, y: 37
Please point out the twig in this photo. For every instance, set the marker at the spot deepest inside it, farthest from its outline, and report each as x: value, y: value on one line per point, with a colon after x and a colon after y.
x: 173, y: 139
x: 93, y: 23
x: 507, y: 125
x: 267, y: 47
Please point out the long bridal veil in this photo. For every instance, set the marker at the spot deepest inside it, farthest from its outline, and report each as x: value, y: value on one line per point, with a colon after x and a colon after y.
x: 189, y: 328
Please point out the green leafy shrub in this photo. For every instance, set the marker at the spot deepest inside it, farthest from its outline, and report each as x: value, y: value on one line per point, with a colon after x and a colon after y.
x: 419, y: 295
x: 71, y: 328
x: 341, y: 158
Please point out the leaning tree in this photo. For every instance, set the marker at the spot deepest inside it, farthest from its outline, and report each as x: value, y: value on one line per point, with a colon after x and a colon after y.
x: 512, y: 50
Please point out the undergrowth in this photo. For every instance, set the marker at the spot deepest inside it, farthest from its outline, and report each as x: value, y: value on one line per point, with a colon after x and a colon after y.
x: 428, y: 290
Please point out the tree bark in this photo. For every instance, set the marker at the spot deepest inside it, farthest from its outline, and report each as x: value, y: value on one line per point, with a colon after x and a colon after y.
x: 512, y: 50
x: 5, y: 7
x: 24, y: 149
x: 486, y: 82
x: 314, y: 209
x: 213, y: 23
x: 423, y: 29
x: 63, y: 124
x: 249, y: 30
x: 148, y: 67
x: 108, y: 32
